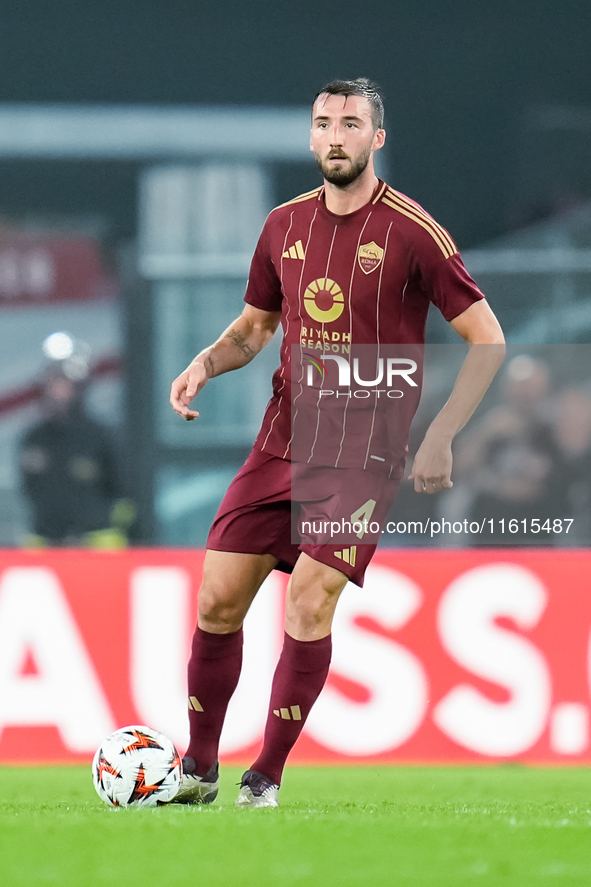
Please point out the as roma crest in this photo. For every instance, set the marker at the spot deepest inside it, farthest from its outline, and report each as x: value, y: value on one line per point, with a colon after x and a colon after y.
x: 369, y: 257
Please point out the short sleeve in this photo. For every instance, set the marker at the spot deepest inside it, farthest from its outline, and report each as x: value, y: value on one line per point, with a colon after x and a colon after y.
x: 450, y: 287
x: 264, y: 287
x: 443, y: 278
x: 448, y: 284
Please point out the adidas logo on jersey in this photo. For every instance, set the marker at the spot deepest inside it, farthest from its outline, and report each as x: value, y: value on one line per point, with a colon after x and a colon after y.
x: 347, y: 554
x: 295, y: 252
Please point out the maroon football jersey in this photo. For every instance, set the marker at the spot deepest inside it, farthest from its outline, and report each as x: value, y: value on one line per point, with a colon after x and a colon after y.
x: 343, y: 281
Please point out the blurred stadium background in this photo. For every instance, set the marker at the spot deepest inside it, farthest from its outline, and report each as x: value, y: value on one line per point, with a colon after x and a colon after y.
x: 139, y: 155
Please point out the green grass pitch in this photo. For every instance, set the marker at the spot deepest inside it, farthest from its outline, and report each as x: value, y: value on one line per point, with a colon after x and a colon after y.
x: 501, y: 825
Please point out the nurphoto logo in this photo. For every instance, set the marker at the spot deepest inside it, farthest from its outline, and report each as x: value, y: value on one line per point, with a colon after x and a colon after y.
x: 388, y: 372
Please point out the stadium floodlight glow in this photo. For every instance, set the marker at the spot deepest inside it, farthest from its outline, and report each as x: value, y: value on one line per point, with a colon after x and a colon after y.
x: 58, y: 346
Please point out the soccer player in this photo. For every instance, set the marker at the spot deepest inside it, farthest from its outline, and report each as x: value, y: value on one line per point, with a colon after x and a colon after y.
x: 352, y: 262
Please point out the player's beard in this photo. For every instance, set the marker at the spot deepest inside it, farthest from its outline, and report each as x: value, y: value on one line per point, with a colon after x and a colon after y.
x: 343, y: 176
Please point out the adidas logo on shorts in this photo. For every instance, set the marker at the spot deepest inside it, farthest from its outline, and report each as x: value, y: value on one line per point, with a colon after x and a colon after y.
x: 348, y: 555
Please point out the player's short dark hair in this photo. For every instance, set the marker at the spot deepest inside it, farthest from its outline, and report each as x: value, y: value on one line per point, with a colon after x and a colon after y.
x: 363, y: 87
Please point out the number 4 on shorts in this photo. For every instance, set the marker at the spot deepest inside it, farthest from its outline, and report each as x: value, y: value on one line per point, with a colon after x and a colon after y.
x: 363, y: 516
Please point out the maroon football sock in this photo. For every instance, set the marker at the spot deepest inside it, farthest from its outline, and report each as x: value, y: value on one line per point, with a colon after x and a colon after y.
x: 299, y: 677
x: 213, y: 672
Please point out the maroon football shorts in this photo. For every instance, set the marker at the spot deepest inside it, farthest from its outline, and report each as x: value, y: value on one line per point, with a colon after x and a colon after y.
x: 336, y: 517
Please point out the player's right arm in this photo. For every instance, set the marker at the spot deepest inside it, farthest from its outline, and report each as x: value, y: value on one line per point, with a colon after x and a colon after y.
x: 236, y: 347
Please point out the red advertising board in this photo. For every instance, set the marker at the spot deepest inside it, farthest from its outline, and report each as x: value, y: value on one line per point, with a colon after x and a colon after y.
x: 41, y: 268
x: 444, y: 656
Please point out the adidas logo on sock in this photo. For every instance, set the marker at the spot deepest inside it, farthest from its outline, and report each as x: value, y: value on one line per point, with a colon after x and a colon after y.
x: 194, y: 704
x: 284, y: 713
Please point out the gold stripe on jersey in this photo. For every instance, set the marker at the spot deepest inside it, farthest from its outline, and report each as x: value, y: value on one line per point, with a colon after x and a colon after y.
x: 440, y: 235
x: 397, y: 197
x: 302, y: 197
x: 425, y: 222
x: 379, y: 194
x: 444, y: 249
x: 312, y: 196
x: 401, y: 201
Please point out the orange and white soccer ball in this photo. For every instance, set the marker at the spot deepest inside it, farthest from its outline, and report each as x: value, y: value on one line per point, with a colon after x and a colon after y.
x: 137, y: 767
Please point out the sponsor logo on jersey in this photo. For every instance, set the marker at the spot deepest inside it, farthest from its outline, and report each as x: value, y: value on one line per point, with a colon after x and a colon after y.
x: 294, y: 252
x: 324, y: 300
x: 370, y: 257
x: 319, y: 338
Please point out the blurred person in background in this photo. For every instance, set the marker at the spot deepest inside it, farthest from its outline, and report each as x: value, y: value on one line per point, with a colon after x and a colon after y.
x: 67, y: 460
x: 572, y: 430
x: 513, y: 463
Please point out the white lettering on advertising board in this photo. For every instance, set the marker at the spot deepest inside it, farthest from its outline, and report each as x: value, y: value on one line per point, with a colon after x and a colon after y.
x: 159, y: 644
x: 65, y: 691
x: 395, y: 677
x: 467, y: 628
x: 36, y: 621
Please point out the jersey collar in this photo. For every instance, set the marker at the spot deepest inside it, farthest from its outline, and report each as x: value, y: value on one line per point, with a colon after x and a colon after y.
x: 378, y: 191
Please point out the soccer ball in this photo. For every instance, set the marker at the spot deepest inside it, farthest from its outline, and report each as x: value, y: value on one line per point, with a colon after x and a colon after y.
x: 137, y: 767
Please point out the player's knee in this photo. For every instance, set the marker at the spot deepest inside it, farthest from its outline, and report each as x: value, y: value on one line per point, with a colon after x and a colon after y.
x: 324, y: 599
x: 219, y: 610
x: 313, y: 604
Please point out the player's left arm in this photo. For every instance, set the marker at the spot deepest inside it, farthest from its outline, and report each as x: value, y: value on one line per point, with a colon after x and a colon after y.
x: 478, y: 326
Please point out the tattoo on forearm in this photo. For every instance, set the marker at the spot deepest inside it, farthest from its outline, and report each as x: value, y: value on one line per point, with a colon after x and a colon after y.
x: 240, y: 343
x: 210, y: 366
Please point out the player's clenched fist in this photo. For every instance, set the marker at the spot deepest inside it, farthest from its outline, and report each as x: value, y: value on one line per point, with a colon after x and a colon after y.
x: 185, y: 387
